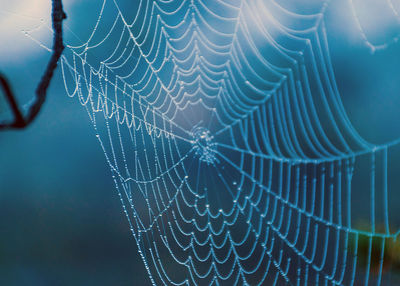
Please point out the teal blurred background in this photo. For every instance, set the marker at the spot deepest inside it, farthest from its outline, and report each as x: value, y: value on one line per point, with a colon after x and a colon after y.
x: 61, y: 221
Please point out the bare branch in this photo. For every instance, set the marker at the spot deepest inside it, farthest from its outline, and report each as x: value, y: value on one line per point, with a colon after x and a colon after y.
x: 20, y: 121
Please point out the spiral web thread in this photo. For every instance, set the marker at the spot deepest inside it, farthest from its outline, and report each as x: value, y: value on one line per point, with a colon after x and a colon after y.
x: 228, y: 143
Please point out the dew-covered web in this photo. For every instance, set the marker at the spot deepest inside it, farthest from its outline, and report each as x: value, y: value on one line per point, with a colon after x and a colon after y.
x: 228, y: 143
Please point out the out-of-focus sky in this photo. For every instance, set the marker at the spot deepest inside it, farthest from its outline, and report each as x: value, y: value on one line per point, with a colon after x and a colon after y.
x: 61, y: 222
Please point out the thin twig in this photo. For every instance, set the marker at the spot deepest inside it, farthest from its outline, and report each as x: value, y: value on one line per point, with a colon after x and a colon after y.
x: 20, y: 121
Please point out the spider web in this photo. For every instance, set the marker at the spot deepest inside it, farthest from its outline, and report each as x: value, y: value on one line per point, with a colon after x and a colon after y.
x: 230, y: 149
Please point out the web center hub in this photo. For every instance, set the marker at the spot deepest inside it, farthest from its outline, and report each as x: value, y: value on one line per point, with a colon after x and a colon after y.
x: 204, y: 145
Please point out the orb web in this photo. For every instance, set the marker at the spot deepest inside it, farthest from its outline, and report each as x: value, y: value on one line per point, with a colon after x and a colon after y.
x: 230, y: 149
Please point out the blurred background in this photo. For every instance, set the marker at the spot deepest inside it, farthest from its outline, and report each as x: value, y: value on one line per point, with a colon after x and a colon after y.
x: 61, y: 221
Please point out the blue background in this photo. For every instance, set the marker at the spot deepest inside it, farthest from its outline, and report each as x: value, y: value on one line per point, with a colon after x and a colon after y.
x: 61, y: 221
